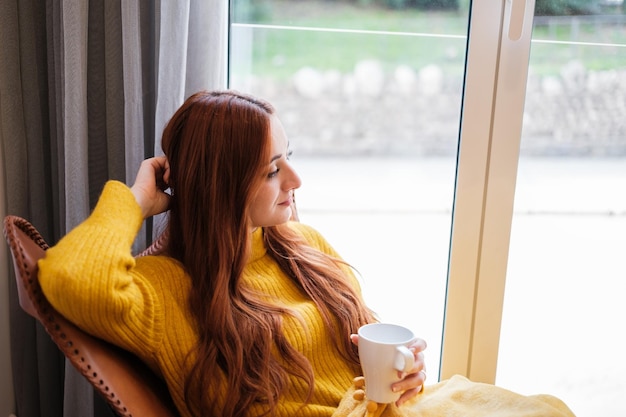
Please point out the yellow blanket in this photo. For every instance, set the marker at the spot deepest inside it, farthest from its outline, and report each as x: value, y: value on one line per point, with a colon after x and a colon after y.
x: 455, y: 397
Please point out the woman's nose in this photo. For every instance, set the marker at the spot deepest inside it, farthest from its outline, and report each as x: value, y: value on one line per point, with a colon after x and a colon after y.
x: 293, y: 180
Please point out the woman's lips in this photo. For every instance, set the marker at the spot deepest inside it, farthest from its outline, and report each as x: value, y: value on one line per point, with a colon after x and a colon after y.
x: 286, y: 202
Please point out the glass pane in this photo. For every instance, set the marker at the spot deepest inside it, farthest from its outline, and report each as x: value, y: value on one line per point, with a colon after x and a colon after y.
x: 564, y: 311
x: 370, y: 96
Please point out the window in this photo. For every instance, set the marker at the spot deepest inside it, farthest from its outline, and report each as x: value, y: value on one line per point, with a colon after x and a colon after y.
x: 370, y: 97
x: 563, y: 307
x: 409, y: 147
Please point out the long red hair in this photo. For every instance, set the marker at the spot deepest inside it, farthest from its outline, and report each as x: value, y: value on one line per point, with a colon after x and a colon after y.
x: 218, y: 146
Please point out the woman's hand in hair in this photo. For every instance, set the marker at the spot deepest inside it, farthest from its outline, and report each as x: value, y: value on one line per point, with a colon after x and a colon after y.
x: 150, y: 185
x: 412, y: 382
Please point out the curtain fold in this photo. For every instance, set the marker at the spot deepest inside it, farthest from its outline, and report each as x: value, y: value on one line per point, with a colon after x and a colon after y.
x: 188, y: 60
x: 139, y: 92
x: 85, y: 90
x: 23, y: 82
x: 74, y: 34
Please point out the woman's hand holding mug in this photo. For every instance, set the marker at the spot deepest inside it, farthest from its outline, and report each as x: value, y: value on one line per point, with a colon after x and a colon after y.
x: 392, y: 360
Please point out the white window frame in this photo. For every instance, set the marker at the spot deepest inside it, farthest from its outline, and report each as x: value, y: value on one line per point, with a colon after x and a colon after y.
x: 491, y: 124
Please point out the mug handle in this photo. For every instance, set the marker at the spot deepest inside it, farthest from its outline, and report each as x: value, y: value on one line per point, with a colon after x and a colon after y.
x: 404, y: 359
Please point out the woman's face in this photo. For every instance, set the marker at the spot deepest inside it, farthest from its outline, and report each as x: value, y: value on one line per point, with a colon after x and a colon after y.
x: 271, y: 204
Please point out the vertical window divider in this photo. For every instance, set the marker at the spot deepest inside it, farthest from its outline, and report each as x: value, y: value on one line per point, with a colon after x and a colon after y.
x: 491, y: 123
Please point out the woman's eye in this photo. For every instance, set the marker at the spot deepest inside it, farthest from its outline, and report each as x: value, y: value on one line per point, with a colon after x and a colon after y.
x: 289, y: 153
x: 273, y: 173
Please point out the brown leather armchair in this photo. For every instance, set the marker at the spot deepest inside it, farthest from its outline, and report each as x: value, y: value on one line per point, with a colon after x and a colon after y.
x: 128, y: 385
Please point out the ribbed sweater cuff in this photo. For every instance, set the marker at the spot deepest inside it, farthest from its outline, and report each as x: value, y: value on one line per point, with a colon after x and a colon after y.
x: 118, y: 208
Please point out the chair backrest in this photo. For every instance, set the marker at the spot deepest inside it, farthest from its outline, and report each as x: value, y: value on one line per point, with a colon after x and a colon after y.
x: 126, y: 383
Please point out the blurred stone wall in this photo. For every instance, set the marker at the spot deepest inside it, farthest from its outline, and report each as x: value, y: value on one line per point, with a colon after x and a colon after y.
x: 369, y: 111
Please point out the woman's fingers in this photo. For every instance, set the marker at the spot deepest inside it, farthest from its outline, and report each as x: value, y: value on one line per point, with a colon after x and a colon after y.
x: 150, y: 184
x: 410, y: 386
x: 412, y: 382
x: 419, y: 345
x: 407, y: 395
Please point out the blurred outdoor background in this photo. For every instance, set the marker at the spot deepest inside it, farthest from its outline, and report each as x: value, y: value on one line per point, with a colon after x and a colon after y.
x: 370, y: 93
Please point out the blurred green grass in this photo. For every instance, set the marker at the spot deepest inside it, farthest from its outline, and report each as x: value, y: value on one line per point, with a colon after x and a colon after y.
x: 279, y: 52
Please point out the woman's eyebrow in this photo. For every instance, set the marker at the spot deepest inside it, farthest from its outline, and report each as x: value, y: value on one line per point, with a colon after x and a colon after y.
x: 278, y: 156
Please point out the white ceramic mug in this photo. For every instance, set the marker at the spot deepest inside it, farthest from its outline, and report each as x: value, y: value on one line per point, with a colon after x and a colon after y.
x: 383, y: 351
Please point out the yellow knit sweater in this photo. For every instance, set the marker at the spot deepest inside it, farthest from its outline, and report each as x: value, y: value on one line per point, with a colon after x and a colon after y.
x: 91, y: 277
x: 140, y: 304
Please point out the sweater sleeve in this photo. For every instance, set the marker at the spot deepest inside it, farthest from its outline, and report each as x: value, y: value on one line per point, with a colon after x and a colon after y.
x: 91, y: 277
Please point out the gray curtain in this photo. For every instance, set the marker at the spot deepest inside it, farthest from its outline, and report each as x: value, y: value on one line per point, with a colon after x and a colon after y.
x: 85, y: 90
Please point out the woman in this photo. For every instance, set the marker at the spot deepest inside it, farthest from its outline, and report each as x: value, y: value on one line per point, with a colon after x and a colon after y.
x: 246, y: 313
